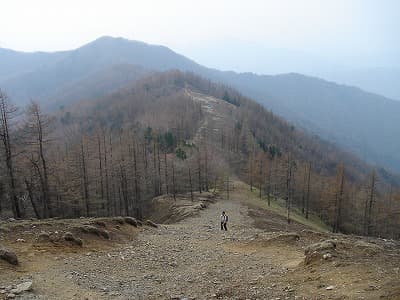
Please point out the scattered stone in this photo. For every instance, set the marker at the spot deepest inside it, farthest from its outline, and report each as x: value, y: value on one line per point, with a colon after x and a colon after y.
x: 131, y: 221
x: 100, y: 223
x: 96, y: 231
x: 286, y: 237
x: 327, y: 256
x: 8, y: 256
x: 68, y: 236
x: 119, y: 220
x: 22, y: 287
x: 312, y: 257
x: 20, y: 241
x: 43, y: 237
x: 150, y: 223
x: 320, y: 247
x: 10, y: 296
x: 368, y: 248
x: 329, y: 288
x: 11, y: 220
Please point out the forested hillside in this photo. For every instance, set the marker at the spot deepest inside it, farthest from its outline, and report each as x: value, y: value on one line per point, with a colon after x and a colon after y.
x: 360, y: 122
x: 175, y: 132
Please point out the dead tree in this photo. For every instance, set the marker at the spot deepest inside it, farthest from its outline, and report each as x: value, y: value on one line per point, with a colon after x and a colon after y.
x: 308, y: 190
x: 289, y: 170
x: 166, y: 172
x: 269, y: 178
x: 7, y: 113
x: 339, y: 192
x: 206, y: 168
x: 107, y: 186
x: 173, y: 181
x: 38, y: 125
x: 199, y: 170
x: 100, y: 161
x: 369, y: 204
x: 191, y: 186
x: 138, y: 202
x: 85, y: 181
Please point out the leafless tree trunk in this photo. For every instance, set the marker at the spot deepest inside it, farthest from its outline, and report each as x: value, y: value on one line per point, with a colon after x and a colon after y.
x: 31, y: 199
x: 308, y: 191
x: 173, y: 181
x: 100, y: 158
x: 6, y: 114
x: 369, y: 203
x: 288, y: 186
x: 191, y: 186
x: 338, y: 197
x: 199, y: 169
x: 166, y: 172
x: 206, y: 168
x: 85, y: 182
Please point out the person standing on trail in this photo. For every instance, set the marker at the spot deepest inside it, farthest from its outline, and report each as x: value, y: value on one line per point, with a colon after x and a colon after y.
x: 224, y: 221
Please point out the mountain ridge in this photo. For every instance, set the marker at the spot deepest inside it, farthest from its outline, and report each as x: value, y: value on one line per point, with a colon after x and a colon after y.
x: 306, y: 101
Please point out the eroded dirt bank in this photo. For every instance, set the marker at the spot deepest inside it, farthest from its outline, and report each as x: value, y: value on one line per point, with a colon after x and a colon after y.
x: 193, y: 259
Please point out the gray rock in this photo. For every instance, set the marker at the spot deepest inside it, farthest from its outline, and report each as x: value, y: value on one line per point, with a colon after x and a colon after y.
x: 22, y: 287
x: 131, y: 221
x: 320, y: 247
x: 8, y: 256
x: 68, y: 236
x: 331, y: 287
x: 150, y: 223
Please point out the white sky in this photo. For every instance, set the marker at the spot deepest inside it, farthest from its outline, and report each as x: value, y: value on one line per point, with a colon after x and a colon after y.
x: 332, y: 27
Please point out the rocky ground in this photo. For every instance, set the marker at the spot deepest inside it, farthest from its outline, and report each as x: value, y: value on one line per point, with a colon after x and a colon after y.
x: 194, y: 259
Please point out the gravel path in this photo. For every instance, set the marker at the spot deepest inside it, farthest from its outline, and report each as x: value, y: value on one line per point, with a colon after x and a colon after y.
x: 184, y: 260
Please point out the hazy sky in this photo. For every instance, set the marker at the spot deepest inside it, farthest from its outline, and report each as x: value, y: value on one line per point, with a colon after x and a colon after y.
x: 336, y: 28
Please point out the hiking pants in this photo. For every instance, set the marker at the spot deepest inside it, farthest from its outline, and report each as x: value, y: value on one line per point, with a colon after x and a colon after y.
x: 223, y: 226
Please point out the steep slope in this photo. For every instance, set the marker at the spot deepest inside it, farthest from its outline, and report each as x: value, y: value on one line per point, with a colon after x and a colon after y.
x: 244, y: 138
x: 363, y: 123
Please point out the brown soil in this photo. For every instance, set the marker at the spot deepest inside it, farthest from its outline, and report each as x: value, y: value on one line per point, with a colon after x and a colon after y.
x: 259, y: 257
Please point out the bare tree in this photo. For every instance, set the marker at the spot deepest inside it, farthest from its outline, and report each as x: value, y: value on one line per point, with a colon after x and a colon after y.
x: 369, y: 204
x: 339, y: 192
x: 7, y: 113
x: 308, y: 190
x: 38, y: 125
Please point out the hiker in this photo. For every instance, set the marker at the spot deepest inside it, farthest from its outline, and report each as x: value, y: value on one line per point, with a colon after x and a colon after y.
x: 224, y: 220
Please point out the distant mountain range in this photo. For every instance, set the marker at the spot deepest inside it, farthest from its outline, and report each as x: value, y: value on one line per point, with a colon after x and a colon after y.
x: 364, y: 123
x: 361, y: 71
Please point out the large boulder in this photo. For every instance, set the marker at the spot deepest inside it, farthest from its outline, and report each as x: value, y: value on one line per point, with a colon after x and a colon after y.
x: 8, y: 256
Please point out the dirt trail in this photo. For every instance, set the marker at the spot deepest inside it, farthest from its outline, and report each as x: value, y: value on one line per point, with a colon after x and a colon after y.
x: 190, y: 259
x: 194, y: 259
